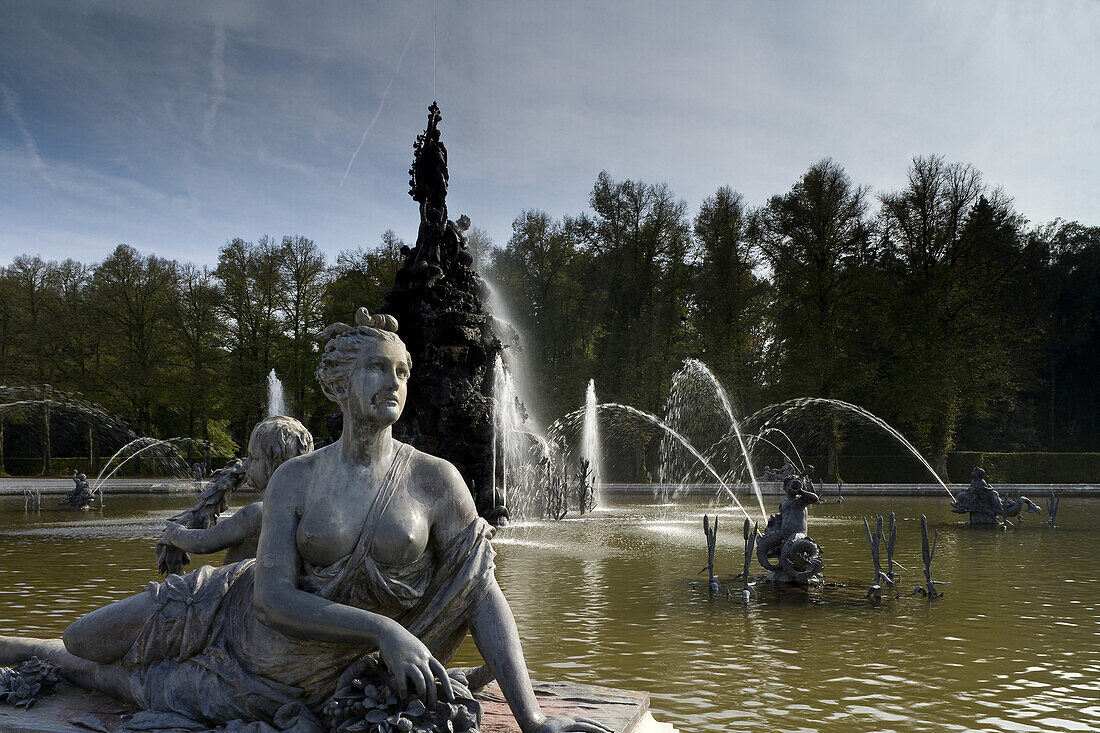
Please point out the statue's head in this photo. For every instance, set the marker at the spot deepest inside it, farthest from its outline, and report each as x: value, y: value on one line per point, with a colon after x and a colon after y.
x: 274, y: 441
x: 977, y: 473
x: 365, y: 367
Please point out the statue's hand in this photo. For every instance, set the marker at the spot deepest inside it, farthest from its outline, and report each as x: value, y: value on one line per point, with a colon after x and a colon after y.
x: 571, y: 725
x: 171, y: 534
x: 410, y: 663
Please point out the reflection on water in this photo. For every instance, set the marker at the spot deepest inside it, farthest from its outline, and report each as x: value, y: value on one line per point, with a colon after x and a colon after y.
x: 615, y: 599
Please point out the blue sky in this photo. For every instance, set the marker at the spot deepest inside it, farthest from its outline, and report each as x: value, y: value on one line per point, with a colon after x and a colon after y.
x: 176, y: 126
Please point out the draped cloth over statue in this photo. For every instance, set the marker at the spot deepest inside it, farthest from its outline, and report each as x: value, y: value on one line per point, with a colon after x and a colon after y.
x: 205, y: 655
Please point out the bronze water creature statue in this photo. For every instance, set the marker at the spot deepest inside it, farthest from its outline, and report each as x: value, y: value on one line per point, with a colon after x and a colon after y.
x: 750, y: 533
x: 785, y: 550
x: 928, y: 553
x: 368, y: 548
x: 80, y: 496
x: 985, y: 506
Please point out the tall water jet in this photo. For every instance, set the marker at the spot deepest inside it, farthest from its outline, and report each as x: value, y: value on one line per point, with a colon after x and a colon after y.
x: 276, y: 405
x: 590, y: 439
x: 521, y: 457
x: 682, y: 412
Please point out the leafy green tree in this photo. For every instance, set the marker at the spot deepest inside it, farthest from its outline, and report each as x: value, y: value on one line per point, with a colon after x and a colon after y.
x: 536, y: 276
x: 33, y: 359
x: 480, y: 246
x: 362, y: 278
x: 639, y: 244
x: 252, y: 282
x: 131, y: 298
x: 28, y: 280
x: 1070, y: 342
x: 731, y: 299
x: 69, y: 322
x: 956, y: 251
x: 306, y: 275
x: 201, y: 373
x: 811, y: 238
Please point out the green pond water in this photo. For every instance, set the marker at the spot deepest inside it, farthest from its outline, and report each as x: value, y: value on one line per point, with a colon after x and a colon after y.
x: 614, y: 599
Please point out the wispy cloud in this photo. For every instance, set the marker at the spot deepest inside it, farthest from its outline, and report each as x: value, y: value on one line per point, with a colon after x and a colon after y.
x: 381, y: 102
x: 217, y: 69
x: 12, y: 107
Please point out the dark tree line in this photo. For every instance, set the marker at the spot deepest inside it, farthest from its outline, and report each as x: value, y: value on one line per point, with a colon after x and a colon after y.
x: 176, y: 349
x: 935, y: 306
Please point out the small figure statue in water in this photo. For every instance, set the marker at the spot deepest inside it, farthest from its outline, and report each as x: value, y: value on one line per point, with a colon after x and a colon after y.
x: 785, y: 539
x: 80, y: 496
x: 984, y: 505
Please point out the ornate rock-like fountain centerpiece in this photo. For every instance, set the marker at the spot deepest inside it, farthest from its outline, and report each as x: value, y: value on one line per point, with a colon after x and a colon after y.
x: 442, y: 305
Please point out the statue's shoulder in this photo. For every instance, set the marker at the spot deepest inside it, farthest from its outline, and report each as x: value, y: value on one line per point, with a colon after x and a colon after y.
x: 433, y: 471
x: 293, y: 475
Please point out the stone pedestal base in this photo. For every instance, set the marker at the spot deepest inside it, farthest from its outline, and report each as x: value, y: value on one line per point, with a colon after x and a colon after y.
x: 72, y: 710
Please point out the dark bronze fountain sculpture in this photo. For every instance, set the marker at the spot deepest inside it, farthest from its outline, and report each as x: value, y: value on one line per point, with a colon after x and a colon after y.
x: 80, y: 496
x: 784, y: 549
x: 985, y: 506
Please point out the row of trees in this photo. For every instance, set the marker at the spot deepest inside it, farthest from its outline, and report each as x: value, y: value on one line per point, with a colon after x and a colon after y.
x: 936, y: 306
x: 181, y: 350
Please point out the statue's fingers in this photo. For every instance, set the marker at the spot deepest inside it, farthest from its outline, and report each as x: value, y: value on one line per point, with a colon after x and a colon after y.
x: 420, y: 685
x: 431, y: 692
x: 440, y: 673
x: 400, y: 683
x: 587, y: 725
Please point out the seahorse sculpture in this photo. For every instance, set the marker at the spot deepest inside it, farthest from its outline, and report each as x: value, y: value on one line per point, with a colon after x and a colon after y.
x: 785, y: 549
x: 748, y: 590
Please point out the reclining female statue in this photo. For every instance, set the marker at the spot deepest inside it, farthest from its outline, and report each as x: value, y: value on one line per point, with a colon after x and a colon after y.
x: 367, y: 545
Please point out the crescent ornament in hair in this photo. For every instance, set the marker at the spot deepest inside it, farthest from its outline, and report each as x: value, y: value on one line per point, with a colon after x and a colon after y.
x: 363, y: 318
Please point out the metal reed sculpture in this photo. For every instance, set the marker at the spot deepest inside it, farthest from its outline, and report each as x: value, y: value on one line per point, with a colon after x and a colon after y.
x: 928, y: 553
x: 712, y: 544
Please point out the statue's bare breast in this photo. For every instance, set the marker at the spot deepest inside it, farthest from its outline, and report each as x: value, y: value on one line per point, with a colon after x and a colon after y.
x: 332, y: 522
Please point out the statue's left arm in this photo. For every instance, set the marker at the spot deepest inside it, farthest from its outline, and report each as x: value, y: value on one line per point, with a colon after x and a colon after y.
x: 491, y: 623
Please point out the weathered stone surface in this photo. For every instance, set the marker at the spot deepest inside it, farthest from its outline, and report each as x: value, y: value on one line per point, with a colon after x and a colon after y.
x: 619, y: 710
x: 69, y: 709
x: 54, y: 712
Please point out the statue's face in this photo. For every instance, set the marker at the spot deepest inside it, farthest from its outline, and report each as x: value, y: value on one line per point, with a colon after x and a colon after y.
x: 257, y: 467
x: 378, y: 385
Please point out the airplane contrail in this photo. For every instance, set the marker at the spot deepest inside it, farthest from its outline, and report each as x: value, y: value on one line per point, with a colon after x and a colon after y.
x: 381, y: 102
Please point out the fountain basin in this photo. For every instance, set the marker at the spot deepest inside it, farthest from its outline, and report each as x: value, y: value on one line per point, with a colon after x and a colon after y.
x: 614, y: 599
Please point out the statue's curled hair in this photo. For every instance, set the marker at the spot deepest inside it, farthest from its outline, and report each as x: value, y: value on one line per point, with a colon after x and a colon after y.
x: 279, y: 438
x: 342, y: 345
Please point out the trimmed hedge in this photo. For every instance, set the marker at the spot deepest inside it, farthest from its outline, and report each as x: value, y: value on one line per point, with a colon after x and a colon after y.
x: 1000, y: 468
x: 1026, y: 468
